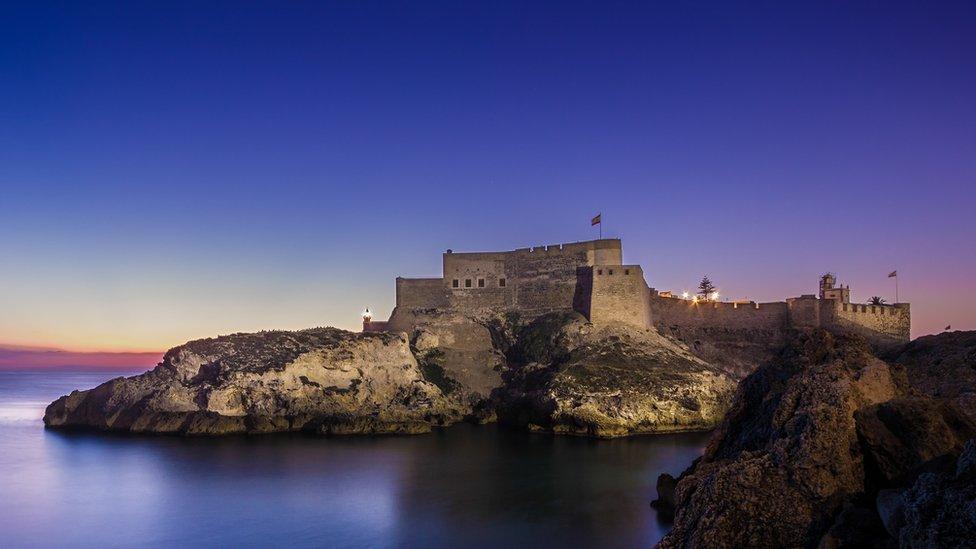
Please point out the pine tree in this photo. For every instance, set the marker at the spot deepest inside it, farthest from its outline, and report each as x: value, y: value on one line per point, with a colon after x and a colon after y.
x: 706, y: 289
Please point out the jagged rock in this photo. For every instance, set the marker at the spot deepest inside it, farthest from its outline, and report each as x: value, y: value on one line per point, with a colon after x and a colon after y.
x: 666, y: 485
x: 854, y: 526
x: 943, y: 366
x: 567, y: 378
x: 786, y: 458
x: 891, y: 510
x: 906, y: 434
x: 811, y: 439
x: 940, y: 509
x: 324, y: 380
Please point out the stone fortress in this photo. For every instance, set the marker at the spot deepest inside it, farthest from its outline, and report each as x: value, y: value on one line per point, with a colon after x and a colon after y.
x: 591, y: 279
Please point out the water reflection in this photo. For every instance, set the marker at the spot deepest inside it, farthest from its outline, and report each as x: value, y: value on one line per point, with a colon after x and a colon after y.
x: 464, y: 486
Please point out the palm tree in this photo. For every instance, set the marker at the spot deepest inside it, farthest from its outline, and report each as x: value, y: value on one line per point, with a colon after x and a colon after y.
x: 875, y: 300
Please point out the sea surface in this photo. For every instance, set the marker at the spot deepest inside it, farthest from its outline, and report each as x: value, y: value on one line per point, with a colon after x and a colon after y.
x: 466, y: 486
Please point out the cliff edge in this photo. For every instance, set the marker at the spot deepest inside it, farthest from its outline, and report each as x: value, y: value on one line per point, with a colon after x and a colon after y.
x: 321, y: 380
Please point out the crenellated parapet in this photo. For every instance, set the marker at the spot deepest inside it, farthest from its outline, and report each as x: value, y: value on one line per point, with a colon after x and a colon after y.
x: 587, y: 277
x: 590, y: 278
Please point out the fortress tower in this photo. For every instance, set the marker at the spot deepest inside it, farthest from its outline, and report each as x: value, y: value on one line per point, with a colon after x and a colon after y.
x: 828, y: 291
x: 588, y: 277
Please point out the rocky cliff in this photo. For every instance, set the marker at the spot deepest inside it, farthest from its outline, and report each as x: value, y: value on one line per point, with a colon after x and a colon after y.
x: 828, y: 445
x: 323, y: 380
x: 567, y: 378
x: 554, y: 374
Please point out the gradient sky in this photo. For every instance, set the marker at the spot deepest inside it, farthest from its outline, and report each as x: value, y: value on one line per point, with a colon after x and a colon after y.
x: 173, y: 171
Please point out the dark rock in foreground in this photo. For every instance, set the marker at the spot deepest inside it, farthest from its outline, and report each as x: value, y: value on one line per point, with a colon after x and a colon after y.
x: 943, y: 366
x: 816, y: 451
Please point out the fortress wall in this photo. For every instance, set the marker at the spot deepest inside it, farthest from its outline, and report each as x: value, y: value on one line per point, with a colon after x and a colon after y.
x: 671, y: 312
x: 619, y: 294
x: 732, y: 336
x: 538, y: 280
x: 804, y: 311
x: 420, y: 292
x: 489, y: 269
x: 546, y: 277
x: 888, y: 321
x: 607, y: 251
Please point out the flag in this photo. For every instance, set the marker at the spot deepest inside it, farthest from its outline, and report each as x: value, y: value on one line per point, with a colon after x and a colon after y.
x: 892, y: 274
x: 595, y: 220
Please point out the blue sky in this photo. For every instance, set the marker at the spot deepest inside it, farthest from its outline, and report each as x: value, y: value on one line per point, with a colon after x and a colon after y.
x: 173, y: 171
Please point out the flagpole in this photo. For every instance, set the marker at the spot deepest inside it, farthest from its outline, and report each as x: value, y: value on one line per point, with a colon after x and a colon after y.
x: 896, y: 289
x: 601, y: 225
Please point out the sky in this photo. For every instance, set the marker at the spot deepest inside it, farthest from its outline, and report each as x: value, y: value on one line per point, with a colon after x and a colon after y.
x: 171, y: 171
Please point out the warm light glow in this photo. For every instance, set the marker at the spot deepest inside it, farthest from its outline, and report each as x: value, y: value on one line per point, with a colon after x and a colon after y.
x: 714, y: 296
x: 684, y: 295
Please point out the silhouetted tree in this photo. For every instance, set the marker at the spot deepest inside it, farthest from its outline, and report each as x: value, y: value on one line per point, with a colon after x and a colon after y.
x: 875, y: 300
x: 706, y: 288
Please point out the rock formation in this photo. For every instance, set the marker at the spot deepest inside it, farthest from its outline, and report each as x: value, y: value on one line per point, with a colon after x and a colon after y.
x: 552, y: 374
x: 819, y: 448
x: 943, y: 366
x: 323, y: 380
x: 569, y: 378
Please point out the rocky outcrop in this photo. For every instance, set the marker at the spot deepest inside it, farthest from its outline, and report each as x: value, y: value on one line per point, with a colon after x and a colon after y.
x: 816, y: 449
x: 553, y: 374
x: 323, y: 380
x: 939, y: 510
x: 567, y: 378
x: 943, y: 366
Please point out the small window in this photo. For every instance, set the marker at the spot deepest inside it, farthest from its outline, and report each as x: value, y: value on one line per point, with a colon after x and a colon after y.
x: 599, y: 271
x: 481, y: 283
x: 501, y: 282
x: 845, y: 306
x: 626, y: 271
x: 467, y: 282
x: 455, y: 283
x: 610, y: 271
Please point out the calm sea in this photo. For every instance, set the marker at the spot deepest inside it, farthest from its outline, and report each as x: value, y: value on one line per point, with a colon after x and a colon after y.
x: 466, y: 486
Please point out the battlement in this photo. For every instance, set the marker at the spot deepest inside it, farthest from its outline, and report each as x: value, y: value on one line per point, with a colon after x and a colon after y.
x: 590, y: 277
x: 531, y: 281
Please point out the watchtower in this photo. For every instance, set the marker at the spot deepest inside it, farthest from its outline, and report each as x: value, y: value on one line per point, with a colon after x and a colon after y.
x: 829, y: 291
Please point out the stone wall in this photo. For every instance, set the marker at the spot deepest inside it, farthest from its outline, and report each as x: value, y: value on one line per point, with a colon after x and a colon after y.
x: 421, y: 292
x: 733, y: 336
x: 619, y: 294
x: 669, y: 312
x: 532, y: 281
x: 889, y: 321
x: 804, y: 311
